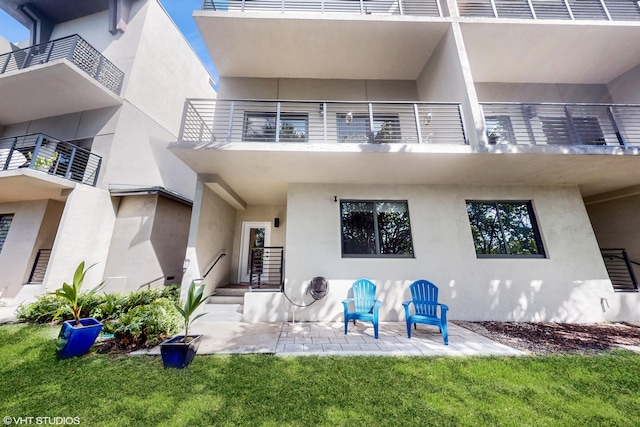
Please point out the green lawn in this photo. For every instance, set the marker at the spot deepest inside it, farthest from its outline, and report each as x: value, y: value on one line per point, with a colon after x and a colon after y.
x: 327, y: 391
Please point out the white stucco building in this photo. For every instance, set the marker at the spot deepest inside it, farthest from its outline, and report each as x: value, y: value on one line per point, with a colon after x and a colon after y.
x: 87, y: 109
x: 491, y: 147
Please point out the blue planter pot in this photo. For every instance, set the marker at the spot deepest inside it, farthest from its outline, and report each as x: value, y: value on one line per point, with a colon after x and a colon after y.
x: 177, y: 354
x: 76, y: 341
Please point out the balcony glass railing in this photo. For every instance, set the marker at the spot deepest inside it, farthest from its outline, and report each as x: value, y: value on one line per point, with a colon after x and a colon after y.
x: 562, y: 124
x: 363, y: 7
x: 76, y: 50
x: 50, y: 155
x: 250, y: 121
x: 601, y: 10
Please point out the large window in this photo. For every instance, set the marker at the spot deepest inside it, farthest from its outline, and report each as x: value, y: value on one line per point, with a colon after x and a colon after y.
x: 504, y: 229
x: 261, y: 127
x: 5, y: 223
x: 354, y: 128
x: 378, y: 228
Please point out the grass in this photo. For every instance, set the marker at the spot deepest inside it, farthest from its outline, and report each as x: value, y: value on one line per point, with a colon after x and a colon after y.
x: 264, y: 390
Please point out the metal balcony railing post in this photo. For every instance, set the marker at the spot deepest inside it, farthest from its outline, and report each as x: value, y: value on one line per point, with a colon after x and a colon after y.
x: 416, y: 113
x: 463, y: 125
x: 370, y: 133
x: 185, y: 109
x: 566, y: 4
x: 36, y: 149
x: 440, y: 8
x: 230, y: 126
x: 616, y: 128
x: 72, y: 49
x: 11, y: 151
x: 67, y: 175
x: 282, y: 7
x: 6, y: 62
x: 321, y: 6
x: 26, y: 58
x: 278, y: 122
x: 400, y: 8
x: 495, y: 10
x: 362, y: 7
x: 324, y: 122
x: 627, y: 261
x: 242, y: 6
x: 606, y: 9
x: 573, y: 129
x: 97, y: 172
x: 533, y: 12
x: 99, y: 68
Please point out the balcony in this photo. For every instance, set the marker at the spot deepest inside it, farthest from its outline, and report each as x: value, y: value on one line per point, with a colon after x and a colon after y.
x: 256, y: 121
x: 322, y: 39
x: 599, y: 10
x: 51, y: 156
x: 586, y: 125
x: 26, y: 76
x: 358, y: 7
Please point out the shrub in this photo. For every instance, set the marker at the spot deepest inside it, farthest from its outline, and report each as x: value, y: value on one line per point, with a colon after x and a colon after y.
x: 147, y: 325
x: 42, y: 310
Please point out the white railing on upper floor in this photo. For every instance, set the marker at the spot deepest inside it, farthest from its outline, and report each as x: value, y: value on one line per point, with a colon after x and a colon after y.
x: 562, y: 124
x: 207, y: 122
x: 607, y: 10
x: 363, y: 7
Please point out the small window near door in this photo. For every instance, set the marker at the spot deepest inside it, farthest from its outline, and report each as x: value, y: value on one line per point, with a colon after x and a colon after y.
x: 375, y: 229
x: 504, y: 229
x: 261, y: 127
x: 5, y: 223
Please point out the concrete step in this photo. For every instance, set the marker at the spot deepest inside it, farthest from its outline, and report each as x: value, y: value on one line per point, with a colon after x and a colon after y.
x: 222, y: 313
x: 228, y: 291
x: 224, y: 299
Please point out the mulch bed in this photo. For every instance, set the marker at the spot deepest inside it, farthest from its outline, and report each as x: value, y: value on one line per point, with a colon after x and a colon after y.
x: 550, y: 338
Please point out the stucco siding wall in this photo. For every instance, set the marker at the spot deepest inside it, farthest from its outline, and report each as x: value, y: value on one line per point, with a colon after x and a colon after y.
x: 565, y: 286
x: 19, y: 243
x: 542, y: 92
x: 625, y: 89
x: 616, y: 224
x: 211, y: 234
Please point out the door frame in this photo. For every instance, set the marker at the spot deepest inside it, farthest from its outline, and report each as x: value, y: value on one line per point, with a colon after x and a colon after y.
x: 243, y: 258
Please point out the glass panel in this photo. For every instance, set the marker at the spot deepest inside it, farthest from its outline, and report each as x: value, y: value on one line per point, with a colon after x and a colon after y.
x: 518, y: 229
x: 393, y: 228
x: 485, y: 228
x: 358, y: 231
x: 499, y: 130
x: 261, y: 127
x: 5, y: 223
x: 256, y: 240
x: 354, y: 128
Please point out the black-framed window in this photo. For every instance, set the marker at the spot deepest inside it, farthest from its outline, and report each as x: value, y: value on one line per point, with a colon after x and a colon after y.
x: 261, y: 127
x: 504, y: 228
x: 375, y: 228
x: 5, y: 223
x: 354, y: 128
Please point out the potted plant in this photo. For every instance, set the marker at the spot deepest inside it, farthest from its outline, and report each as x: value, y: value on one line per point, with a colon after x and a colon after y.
x: 179, y: 351
x: 43, y: 163
x: 77, y: 335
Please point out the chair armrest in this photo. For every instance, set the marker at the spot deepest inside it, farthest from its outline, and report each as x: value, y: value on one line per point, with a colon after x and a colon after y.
x: 407, y: 303
x: 346, y: 303
x: 443, y: 307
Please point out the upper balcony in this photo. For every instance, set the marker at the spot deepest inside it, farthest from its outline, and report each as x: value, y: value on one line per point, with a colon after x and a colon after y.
x: 593, y: 10
x: 332, y: 39
x: 38, y: 166
x: 45, y: 80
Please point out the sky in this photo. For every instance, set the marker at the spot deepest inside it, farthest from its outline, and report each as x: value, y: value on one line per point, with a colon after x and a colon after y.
x: 179, y: 10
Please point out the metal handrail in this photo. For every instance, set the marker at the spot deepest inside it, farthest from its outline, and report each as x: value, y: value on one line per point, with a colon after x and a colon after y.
x: 600, y: 10
x: 73, y: 48
x: 42, y: 152
x: 360, y: 7
x: 584, y: 124
x: 206, y: 121
x: 222, y: 255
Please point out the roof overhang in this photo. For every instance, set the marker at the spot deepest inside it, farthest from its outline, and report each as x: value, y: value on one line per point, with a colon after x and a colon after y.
x: 548, y: 52
x: 313, y: 45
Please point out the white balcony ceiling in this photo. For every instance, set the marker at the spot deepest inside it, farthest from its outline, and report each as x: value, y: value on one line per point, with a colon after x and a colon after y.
x: 50, y: 89
x: 540, y: 52
x: 318, y: 46
x: 260, y: 172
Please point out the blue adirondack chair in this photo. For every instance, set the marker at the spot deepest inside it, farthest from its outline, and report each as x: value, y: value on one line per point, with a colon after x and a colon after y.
x: 365, y: 305
x: 424, y: 296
